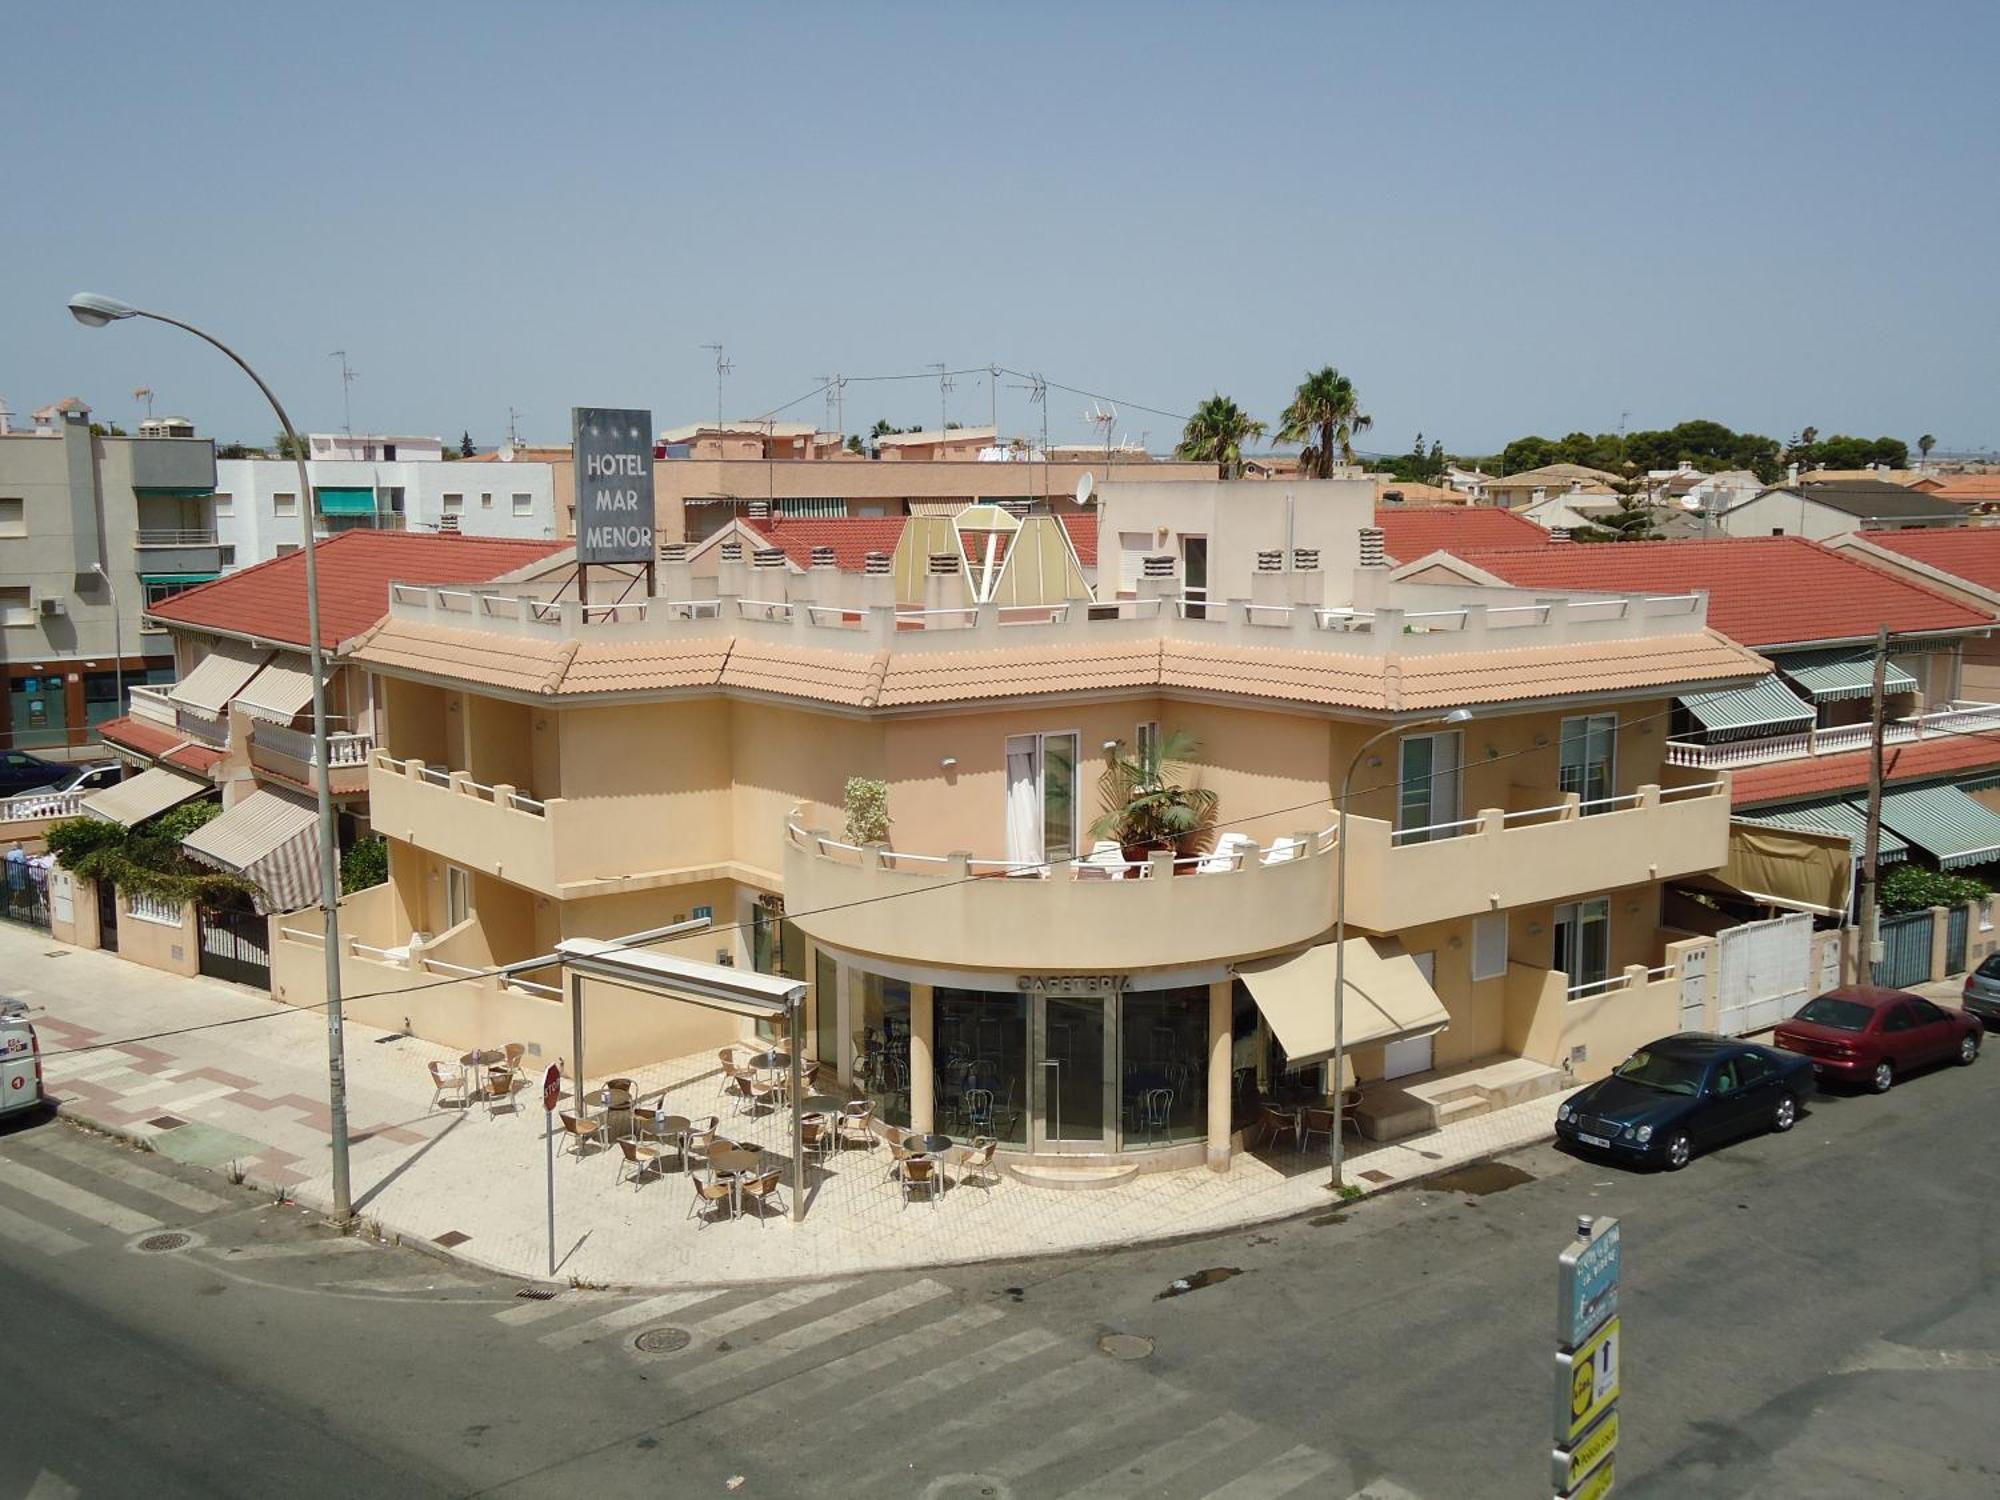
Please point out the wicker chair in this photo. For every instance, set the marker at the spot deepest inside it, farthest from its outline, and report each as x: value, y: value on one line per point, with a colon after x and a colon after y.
x: 710, y: 1190
x: 764, y: 1188
x: 640, y: 1159
x: 446, y: 1080
x: 921, y: 1173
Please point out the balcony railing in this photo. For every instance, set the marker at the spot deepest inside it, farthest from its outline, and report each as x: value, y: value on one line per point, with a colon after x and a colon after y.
x: 152, y: 705
x: 40, y: 805
x: 167, y: 536
x: 342, y: 748
x: 1951, y: 720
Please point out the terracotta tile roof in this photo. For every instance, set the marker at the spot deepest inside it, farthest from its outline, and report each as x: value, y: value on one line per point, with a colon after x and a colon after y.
x: 1589, y: 666
x: 642, y: 666
x: 851, y: 678
x: 1789, y: 780
x: 1082, y: 529
x: 961, y: 676
x: 159, y: 743
x: 1965, y: 489
x: 1411, y: 534
x: 1762, y: 591
x: 490, y: 658
x: 1968, y: 552
x: 356, y: 568
x: 851, y: 537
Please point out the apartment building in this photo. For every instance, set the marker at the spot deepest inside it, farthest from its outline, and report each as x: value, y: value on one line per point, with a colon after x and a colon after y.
x: 547, y: 769
x: 92, y: 531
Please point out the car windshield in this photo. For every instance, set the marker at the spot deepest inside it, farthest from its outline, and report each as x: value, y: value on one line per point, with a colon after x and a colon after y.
x: 1670, y: 1075
x: 1991, y: 968
x: 1841, y: 1015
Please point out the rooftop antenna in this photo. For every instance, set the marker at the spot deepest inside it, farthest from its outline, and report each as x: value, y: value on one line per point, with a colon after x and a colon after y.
x: 144, y: 393
x: 346, y: 391
x: 836, y: 402
x: 514, y: 427
x: 945, y: 388
x: 1038, y: 395
x: 722, y: 367
x: 1106, y: 418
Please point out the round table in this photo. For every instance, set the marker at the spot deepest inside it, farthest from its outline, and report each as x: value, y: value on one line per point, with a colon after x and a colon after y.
x: 661, y: 1126
x: 930, y: 1144
x: 822, y: 1104
x: 735, y: 1163
x: 485, y: 1057
x: 767, y: 1062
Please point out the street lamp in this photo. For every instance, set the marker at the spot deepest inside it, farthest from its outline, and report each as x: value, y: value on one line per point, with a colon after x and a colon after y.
x: 1339, y: 1143
x: 117, y: 633
x: 94, y: 310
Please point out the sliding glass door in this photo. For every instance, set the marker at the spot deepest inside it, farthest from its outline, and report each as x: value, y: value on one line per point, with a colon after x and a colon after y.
x: 1589, y: 760
x: 1428, y: 794
x: 1041, y: 798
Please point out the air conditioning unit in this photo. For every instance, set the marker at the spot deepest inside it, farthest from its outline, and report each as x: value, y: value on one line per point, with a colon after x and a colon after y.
x: 53, y: 608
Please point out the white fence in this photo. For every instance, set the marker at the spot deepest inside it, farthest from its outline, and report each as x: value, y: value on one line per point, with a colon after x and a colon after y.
x: 1763, y: 973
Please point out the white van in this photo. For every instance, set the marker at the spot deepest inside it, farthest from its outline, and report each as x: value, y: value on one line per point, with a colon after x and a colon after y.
x: 20, y: 1063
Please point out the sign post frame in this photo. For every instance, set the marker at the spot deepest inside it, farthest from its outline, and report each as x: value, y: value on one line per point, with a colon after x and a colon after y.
x: 551, y: 1097
x: 1589, y: 1356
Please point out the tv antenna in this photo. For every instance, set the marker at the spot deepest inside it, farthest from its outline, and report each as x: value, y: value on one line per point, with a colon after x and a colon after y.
x: 836, y: 402
x: 722, y: 367
x: 945, y: 388
x: 346, y: 391
x: 1105, y: 418
x: 144, y: 393
x: 1038, y: 395
x: 514, y: 427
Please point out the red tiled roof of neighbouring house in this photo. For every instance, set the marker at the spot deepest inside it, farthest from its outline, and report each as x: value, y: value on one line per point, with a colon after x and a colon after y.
x: 1411, y: 534
x: 1824, y: 775
x: 1762, y: 591
x: 1968, y: 552
x: 159, y: 743
x: 1082, y: 529
x: 1965, y: 489
x: 268, y: 601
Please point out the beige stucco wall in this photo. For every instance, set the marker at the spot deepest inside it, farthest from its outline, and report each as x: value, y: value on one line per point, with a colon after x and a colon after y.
x: 1239, y: 518
x: 176, y: 949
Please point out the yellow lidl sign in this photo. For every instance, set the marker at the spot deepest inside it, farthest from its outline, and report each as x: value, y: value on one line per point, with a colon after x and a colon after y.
x: 1573, y: 1465
x: 1598, y: 1485
x: 1588, y: 1382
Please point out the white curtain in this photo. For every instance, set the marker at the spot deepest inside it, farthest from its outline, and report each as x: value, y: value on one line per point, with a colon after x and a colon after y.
x: 1024, y: 801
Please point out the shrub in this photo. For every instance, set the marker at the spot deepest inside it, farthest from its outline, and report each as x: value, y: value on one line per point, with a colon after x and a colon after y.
x: 1910, y: 887
x: 147, y: 860
x: 866, y: 803
x: 365, y: 863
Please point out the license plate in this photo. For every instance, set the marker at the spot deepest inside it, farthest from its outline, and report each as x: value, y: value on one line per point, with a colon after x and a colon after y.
x: 1593, y: 1140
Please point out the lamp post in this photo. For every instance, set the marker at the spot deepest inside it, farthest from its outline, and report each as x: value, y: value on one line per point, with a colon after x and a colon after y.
x: 94, y: 311
x: 117, y: 633
x: 1338, y: 1147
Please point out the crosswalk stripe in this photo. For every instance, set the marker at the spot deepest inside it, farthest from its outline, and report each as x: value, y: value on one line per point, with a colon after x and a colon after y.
x: 793, y: 1392
x: 1097, y: 1428
x: 183, y: 1105
x: 1147, y: 1472
x: 49, y: 1486
x: 1278, y: 1476
x: 37, y: 1235
x: 533, y: 1312
x: 994, y: 1416
x: 75, y: 1200
x: 718, y: 1325
x: 623, y: 1317
x: 783, y: 1346
x: 106, y: 1161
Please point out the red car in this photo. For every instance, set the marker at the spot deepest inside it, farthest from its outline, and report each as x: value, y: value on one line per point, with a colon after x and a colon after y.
x: 1861, y: 1034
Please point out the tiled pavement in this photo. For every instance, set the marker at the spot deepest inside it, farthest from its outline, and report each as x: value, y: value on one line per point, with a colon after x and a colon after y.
x: 251, y: 1091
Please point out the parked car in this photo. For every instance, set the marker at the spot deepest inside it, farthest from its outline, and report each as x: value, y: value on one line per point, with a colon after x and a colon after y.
x: 22, y: 772
x: 1682, y: 1094
x: 1861, y: 1034
x: 89, y: 778
x: 1982, y: 992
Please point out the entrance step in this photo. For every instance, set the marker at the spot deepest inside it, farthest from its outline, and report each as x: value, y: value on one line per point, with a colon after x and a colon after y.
x: 1463, y: 1108
x: 1469, y: 1089
x: 1078, y: 1179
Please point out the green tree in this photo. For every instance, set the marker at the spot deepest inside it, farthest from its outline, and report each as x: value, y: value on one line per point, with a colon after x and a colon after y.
x: 1526, y: 453
x: 465, y: 448
x: 1632, y: 521
x: 1911, y: 887
x: 1325, y: 416
x: 854, y: 444
x: 1216, y: 433
x: 1924, y: 446
x: 284, y: 447
x: 1843, y: 452
x: 365, y: 864
x: 98, y: 429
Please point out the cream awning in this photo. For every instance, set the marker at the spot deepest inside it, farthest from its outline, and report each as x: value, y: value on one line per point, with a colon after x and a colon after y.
x: 1800, y: 868
x: 1388, y: 998
x: 218, y: 677
x: 742, y: 992
x: 281, y: 692
x: 270, y: 837
x: 140, y: 797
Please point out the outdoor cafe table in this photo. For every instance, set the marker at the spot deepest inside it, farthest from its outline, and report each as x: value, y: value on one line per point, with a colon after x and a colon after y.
x: 733, y: 1162
x: 661, y: 1126
x: 822, y: 1104
x: 768, y: 1062
x: 478, y: 1059
x: 929, y: 1144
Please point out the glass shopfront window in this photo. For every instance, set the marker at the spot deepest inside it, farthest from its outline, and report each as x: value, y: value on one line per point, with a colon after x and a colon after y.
x: 1259, y: 1070
x: 882, y: 1046
x: 982, y: 1063
x: 826, y: 1010
x: 776, y: 947
x: 1163, y: 1089
x: 39, y: 712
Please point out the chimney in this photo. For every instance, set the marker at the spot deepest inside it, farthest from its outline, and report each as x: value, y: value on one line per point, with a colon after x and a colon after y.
x: 1791, y: 473
x: 760, y: 510
x: 1308, y: 584
x: 1267, y: 584
x: 878, y: 581
x: 767, y: 566
x: 824, y: 559
x: 944, y: 588
x: 1374, y: 547
x: 674, y: 580
x: 732, y: 577
x: 1156, y: 576
x: 1558, y: 533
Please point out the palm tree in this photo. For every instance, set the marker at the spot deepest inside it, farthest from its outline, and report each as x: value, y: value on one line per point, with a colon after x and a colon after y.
x: 1324, y: 414
x: 1216, y: 433
x: 1924, y: 446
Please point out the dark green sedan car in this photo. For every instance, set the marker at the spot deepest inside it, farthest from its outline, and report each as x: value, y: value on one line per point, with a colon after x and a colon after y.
x: 1684, y: 1094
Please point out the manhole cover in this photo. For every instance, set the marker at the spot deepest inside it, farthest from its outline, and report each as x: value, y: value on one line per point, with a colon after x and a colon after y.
x: 172, y: 1240
x: 1126, y: 1345
x: 662, y: 1340
x: 166, y: 1122
x: 451, y: 1239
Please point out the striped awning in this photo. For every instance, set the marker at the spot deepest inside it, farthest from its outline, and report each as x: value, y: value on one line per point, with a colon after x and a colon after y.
x: 345, y: 500
x: 1831, y: 817
x: 1766, y: 707
x: 1826, y: 675
x: 1944, y: 823
x: 218, y: 677
x: 281, y: 692
x: 140, y: 797
x: 271, y: 838
x: 936, y: 507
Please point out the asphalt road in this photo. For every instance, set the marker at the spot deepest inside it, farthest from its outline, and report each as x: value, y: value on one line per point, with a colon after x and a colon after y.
x: 1807, y: 1315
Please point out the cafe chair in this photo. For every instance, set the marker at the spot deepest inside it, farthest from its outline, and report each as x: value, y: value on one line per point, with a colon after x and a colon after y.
x: 579, y: 1131
x: 640, y: 1159
x: 710, y: 1190
x: 920, y: 1173
x: 764, y: 1188
x: 447, y: 1080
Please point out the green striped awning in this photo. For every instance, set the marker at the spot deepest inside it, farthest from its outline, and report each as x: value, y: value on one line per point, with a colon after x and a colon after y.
x: 1826, y: 675
x: 346, y: 500
x: 1767, y: 707
x: 1831, y: 817
x: 1944, y: 823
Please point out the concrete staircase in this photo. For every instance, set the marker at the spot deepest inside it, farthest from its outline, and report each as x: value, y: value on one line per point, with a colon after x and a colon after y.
x: 1430, y: 1101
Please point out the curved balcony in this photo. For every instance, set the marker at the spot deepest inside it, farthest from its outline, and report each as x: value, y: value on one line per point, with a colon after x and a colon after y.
x: 1080, y: 916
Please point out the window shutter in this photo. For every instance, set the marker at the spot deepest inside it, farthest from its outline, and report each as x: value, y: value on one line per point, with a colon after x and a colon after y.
x: 1489, y: 945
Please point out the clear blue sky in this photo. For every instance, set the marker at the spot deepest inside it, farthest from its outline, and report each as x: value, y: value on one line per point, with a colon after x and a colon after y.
x: 1497, y: 218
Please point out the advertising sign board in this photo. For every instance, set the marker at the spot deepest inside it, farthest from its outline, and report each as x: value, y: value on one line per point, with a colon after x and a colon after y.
x: 1586, y: 1383
x: 1571, y: 1466
x: 613, y: 454
x: 1587, y: 1283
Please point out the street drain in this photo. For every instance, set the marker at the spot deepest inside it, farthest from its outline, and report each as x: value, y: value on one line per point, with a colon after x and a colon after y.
x: 536, y: 1293
x: 1480, y: 1179
x: 172, y: 1240
x: 1180, y: 1286
x: 1126, y: 1345
x: 663, y: 1341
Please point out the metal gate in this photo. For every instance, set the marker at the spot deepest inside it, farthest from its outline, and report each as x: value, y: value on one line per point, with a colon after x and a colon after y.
x: 26, y: 895
x: 1763, y: 973
x: 236, y: 945
x: 1954, y: 940
x: 107, y: 916
x: 1906, y: 950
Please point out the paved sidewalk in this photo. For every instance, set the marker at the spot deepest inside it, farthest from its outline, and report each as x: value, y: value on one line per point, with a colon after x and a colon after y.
x: 252, y: 1093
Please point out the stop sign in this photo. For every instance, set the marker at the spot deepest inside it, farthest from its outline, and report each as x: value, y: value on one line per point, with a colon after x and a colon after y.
x: 551, y: 1087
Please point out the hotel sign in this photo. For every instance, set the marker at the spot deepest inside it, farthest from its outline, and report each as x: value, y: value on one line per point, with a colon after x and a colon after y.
x: 613, y: 453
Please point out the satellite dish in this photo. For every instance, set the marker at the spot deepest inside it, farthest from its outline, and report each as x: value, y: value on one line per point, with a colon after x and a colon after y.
x: 1083, y: 484
x: 507, y: 453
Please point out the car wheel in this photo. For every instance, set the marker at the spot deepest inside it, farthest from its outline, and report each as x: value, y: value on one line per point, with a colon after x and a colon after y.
x: 1968, y: 1050
x: 1883, y: 1078
x: 1680, y: 1151
x: 1786, y: 1115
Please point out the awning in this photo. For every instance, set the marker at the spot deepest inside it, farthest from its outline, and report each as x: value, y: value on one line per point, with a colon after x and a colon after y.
x: 345, y: 500
x: 1800, y: 869
x: 218, y: 677
x: 1767, y: 707
x: 281, y: 692
x: 936, y: 507
x: 143, y: 796
x: 1388, y: 998
x: 271, y: 838
x: 1944, y: 823
x: 746, y: 993
x: 1831, y: 817
x: 1827, y: 675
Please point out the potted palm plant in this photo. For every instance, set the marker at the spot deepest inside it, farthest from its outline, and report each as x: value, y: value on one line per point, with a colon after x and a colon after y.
x: 1146, y: 809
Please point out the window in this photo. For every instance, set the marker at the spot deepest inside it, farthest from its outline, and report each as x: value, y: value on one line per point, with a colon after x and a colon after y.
x: 1145, y: 738
x: 1428, y: 794
x: 882, y: 1046
x: 486, y: 502
x: 226, y: 556
x: 1722, y: 1082
x: 1751, y: 1069
x: 1589, y: 760
x: 13, y: 516
x: 453, y: 503
x: 1041, y: 798
x: 285, y: 548
x: 1926, y: 1013
x: 158, y: 591
x: 1489, y: 945
x: 457, y: 895
x: 285, y: 503
x: 524, y: 505
x: 982, y: 1072
x: 17, y: 606
x: 225, y: 504
x: 826, y: 1008
x: 1583, y: 942
x: 1899, y: 1019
